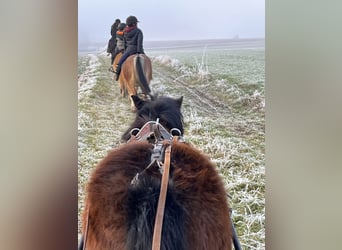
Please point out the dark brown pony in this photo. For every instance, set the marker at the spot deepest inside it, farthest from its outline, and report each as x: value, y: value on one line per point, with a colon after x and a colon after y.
x: 136, y: 72
x: 119, y: 212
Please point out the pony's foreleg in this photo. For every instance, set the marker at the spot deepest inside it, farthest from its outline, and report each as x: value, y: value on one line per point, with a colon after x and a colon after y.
x: 123, y: 90
x: 133, y: 108
x: 132, y: 90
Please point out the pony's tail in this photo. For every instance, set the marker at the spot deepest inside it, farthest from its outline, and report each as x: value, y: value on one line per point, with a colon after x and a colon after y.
x: 142, y: 78
x: 142, y: 205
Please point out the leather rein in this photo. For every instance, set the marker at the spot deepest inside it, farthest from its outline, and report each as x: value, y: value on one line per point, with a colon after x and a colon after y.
x: 156, y: 134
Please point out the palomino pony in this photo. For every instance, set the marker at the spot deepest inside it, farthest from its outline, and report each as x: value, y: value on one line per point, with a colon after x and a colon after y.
x: 136, y: 72
x: 122, y: 205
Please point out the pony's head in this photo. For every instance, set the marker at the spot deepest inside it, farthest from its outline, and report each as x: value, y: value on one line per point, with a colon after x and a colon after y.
x: 167, y: 109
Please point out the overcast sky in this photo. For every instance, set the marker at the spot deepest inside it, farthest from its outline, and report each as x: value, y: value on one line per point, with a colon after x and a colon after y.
x: 173, y: 19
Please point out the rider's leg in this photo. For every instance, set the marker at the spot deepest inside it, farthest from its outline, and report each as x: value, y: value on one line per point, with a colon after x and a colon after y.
x: 121, y: 61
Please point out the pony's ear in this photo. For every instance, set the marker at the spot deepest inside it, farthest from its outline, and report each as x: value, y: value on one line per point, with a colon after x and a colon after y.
x: 179, y: 102
x: 137, y: 101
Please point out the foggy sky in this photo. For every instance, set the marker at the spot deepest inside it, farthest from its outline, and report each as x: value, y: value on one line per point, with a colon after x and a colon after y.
x: 173, y: 19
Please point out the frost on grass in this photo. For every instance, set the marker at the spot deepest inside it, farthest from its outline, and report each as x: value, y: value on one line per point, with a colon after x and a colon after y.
x: 241, y: 165
x: 99, y: 128
x: 167, y: 60
x: 245, y: 65
x: 88, y: 78
x: 172, y: 63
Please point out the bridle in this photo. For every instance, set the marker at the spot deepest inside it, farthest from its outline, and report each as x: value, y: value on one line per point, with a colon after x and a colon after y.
x: 153, y: 132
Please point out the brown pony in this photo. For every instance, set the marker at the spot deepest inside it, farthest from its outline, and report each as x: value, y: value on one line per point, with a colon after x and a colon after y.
x: 120, y: 208
x: 117, y: 59
x: 136, y: 72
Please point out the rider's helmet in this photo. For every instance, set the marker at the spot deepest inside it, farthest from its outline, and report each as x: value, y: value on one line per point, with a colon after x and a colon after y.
x: 131, y: 20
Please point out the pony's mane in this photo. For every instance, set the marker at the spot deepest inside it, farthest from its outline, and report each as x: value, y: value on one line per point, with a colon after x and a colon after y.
x: 167, y: 109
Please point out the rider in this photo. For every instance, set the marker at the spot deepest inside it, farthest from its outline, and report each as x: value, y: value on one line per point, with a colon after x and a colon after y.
x: 133, y: 42
x: 114, y: 27
x: 120, y: 43
x: 112, y: 42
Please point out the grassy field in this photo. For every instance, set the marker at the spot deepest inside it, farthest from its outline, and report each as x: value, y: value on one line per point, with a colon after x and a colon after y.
x: 223, y: 110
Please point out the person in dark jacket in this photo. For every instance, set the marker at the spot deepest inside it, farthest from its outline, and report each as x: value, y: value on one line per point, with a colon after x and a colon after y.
x: 111, y: 49
x: 120, y: 42
x: 133, y: 42
x: 112, y: 41
x: 114, y: 27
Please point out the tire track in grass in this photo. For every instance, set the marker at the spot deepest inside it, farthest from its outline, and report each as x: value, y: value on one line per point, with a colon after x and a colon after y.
x: 201, y: 99
x: 203, y: 103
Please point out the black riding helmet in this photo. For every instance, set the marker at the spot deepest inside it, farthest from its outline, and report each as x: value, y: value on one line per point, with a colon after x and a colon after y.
x: 121, y: 26
x: 131, y: 20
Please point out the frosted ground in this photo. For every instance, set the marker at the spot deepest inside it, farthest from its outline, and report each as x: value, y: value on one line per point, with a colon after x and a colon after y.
x: 222, y: 82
